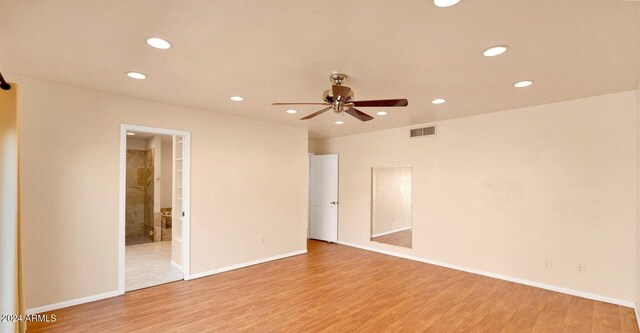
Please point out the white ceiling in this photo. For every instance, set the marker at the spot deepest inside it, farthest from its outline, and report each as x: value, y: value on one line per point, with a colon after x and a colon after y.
x: 285, y: 50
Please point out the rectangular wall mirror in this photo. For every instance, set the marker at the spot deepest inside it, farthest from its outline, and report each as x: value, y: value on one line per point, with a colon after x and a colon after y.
x: 391, y: 205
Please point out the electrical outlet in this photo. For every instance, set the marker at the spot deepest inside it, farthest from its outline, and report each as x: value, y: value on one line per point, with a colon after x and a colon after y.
x: 261, y: 240
x: 580, y: 269
x: 547, y: 264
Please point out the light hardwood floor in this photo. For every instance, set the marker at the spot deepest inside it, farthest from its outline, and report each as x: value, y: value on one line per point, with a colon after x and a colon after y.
x: 149, y: 264
x: 400, y: 238
x: 335, y: 288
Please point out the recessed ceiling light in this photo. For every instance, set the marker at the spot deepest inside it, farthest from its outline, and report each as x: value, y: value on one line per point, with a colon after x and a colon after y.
x: 495, y: 50
x: 339, y: 122
x: 445, y: 3
x: 382, y: 113
x: 158, y: 43
x: 292, y: 111
x: 136, y: 75
x: 438, y: 101
x: 237, y: 98
x: 131, y: 133
x: 523, y: 84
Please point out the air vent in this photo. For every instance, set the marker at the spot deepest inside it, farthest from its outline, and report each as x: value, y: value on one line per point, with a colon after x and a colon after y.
x: 425, y: 131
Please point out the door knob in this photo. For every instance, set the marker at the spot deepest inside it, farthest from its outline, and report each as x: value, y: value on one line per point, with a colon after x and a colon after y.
x: 334, y: 202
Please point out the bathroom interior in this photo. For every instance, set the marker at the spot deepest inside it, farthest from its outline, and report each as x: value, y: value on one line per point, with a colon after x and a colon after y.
x: 148, y: 219
x: 149, y: 231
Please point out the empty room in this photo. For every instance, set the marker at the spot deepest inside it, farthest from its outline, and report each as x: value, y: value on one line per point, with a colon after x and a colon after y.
x: 320, y: 166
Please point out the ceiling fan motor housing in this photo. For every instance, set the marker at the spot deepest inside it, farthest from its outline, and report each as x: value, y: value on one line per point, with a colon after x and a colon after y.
x: 338, y: 106
x: 338, y: 101
x: 327, y: 96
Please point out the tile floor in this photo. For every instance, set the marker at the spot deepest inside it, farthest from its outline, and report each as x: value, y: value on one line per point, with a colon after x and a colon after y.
x: 149, y: 265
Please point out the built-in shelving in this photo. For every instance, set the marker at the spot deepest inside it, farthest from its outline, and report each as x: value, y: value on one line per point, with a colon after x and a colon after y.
x: 177, y: 209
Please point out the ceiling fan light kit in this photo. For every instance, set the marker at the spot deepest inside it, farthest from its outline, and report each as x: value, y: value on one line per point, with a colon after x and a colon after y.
x: 340, y: 99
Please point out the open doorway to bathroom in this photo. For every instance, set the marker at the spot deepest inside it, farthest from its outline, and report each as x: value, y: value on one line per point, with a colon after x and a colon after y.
x: 154, y: 207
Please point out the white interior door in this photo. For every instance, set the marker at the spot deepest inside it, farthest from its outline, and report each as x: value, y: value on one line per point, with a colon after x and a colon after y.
x: 323, y: 193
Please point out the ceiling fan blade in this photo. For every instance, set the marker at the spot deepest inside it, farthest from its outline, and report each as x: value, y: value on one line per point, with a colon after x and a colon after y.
x: 381, y: 102
x: 358, y: 114
x: 300, y: 104
x: 340, y: 91
x: 316, y: 113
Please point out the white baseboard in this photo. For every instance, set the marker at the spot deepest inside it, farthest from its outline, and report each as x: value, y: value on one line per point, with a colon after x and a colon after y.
x: 246, y: 264
x: 175, y: 264
x: 72, y: 302
x: 98, y: 297
x: 390, y: 232
x: 635, y: 308
x: 499, y: 276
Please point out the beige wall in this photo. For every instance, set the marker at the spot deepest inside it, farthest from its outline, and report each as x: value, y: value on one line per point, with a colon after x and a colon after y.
x: 249, y: 180
x: 314, y: 147
x: 136, y: 144
x: 391, y: 198
x: 637, y: 249
x: 503, y: 192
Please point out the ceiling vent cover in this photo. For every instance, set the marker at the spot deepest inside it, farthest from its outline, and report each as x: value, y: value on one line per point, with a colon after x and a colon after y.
x: 425, y: 131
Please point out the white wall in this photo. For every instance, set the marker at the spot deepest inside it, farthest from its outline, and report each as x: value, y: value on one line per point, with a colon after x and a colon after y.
x: 249, y: 180
x: 503, y: 192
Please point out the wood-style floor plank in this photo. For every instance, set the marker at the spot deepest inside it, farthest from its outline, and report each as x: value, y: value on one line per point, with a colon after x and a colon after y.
x: 335, y: 288
x: 401, y: 238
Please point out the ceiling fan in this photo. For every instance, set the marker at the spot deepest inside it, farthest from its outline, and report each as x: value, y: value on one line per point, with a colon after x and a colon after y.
x: 340, y: 99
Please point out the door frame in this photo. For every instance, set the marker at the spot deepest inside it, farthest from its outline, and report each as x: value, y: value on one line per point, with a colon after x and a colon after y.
x: 186, y: 198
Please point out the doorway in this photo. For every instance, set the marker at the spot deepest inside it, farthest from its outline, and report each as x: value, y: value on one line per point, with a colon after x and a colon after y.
x: 154, y: 207
x: 323, y: 197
